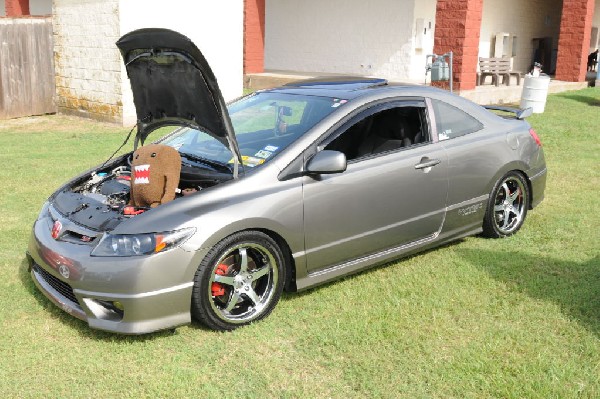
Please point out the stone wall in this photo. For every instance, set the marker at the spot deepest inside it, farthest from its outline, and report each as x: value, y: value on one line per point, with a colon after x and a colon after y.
x: 87, y: 62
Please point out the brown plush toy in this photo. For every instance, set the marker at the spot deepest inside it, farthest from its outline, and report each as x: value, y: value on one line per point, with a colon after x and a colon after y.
x: 156, y: 169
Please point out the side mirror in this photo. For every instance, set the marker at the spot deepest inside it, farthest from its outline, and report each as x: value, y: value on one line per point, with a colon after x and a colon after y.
x: 327, y: 162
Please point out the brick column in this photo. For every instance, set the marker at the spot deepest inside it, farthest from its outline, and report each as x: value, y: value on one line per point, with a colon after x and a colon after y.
x: 457, y: 29
x: 574, y: 40
x: 16, y: 8
x: 254, y: 36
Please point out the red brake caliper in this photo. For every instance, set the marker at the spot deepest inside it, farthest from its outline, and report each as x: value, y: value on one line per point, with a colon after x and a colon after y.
x: 218, y: 289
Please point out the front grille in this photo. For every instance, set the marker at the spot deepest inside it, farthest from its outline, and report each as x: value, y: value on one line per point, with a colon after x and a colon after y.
x: 63, y: 288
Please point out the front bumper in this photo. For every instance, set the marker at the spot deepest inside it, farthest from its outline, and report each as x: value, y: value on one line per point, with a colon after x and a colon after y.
x: 130, y: 295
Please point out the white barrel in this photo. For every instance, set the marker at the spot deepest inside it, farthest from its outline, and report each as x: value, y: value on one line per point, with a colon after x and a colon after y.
x: 535, y: 91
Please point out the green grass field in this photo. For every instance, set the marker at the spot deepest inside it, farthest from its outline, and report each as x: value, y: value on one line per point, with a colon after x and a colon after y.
x: 511, y: 318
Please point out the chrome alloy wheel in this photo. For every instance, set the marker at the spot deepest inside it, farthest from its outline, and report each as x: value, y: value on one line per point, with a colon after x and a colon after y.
x: 243, y: 283
x: 510, y: 205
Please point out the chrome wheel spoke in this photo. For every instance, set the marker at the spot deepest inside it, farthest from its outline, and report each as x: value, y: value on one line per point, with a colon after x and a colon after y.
x: 506, y: 220
x: 499, y: 208
x: 233, y: 300
x: 263, y: 271
x: 227, y: 280
x: 253, y: 296
x: 243, y: 260
x: 506, y: 190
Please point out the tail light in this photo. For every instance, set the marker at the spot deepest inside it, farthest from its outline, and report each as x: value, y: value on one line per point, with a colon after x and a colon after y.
x: 535, y: 137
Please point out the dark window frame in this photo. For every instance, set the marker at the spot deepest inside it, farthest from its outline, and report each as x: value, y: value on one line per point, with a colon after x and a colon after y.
x: 372, y: 110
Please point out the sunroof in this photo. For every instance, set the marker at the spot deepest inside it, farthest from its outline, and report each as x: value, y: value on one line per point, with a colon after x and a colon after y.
x: 339, y: 82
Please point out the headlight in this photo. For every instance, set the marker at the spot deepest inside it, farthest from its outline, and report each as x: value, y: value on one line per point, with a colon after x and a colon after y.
x: 140, y: 244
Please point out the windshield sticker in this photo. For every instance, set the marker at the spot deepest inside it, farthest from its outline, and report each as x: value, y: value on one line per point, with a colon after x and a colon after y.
x: 263, y: 154
x: 445, y: 135
x: 337, y: 102
x: 271, y: 148
x: 250, y: 161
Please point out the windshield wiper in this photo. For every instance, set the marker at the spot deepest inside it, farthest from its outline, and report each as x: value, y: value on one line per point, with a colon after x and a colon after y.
x: 209, y: 162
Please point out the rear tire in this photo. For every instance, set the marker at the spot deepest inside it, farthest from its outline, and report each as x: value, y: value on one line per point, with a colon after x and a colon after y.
x: 239, y: 281
x: 507, y: 206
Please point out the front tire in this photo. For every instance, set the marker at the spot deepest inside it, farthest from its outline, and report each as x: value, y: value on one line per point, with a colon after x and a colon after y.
x: 239, y: 281
x: 507, y: 206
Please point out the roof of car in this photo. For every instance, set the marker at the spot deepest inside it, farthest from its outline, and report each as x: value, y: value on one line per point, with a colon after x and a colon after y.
x: 347, y: 87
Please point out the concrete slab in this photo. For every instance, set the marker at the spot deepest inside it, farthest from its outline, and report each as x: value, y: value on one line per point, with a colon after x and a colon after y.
x: 489, y: 94
x: 274, y: 78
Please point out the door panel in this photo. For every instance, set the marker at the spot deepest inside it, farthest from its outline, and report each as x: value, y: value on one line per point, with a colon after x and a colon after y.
x: 377, y: 203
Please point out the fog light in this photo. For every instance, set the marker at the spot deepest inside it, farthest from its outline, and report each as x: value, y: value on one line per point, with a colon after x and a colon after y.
x: 105, y: 310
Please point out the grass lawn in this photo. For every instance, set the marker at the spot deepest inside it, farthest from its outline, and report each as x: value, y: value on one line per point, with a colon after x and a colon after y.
x: 511, y: 318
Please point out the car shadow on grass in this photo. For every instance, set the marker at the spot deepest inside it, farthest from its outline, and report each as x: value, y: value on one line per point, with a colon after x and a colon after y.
x: 573, y: 286
x: 589, y: 100
x: 74, y: 323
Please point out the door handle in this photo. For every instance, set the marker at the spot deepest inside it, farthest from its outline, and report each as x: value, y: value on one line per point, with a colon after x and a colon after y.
x: 427, y: 163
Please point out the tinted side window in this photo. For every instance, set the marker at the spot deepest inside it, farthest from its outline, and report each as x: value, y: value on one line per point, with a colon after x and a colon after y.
x: 383, y: 131
x: 452, y: 122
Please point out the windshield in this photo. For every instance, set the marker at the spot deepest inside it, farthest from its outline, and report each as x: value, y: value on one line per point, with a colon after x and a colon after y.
x: 264, y: 124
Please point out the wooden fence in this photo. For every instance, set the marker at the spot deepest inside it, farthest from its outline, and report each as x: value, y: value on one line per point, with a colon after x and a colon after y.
x: 26, y: 67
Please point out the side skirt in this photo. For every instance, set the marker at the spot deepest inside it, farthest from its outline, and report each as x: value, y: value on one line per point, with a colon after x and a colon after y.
x: 334, y: 272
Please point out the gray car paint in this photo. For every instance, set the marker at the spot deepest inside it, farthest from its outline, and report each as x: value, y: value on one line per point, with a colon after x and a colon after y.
x: 332, y: 225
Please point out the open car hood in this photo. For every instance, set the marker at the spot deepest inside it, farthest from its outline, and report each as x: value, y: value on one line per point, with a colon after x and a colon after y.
x: 173, y: 84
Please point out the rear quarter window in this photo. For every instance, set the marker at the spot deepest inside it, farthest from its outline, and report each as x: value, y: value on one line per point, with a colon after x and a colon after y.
x: 452, y: 122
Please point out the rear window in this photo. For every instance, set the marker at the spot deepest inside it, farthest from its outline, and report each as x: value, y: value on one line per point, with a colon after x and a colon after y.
x: 452, y: 122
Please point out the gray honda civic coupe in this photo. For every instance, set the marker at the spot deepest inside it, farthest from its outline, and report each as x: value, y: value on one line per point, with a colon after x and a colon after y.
x: 283, y: 189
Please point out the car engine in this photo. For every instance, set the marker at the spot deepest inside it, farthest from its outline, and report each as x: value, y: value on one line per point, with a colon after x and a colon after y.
x: 99, y: 200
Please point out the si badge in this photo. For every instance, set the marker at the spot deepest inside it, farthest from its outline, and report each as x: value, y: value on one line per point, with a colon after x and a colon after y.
x: 64, y: 271
x: 56, y: 229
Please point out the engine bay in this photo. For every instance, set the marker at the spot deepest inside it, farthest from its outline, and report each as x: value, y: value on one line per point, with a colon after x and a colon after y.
x: 100, y: 200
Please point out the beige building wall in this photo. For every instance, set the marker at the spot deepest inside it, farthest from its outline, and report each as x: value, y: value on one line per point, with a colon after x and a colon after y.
x: 216, y: 28
x: 595, y: 39
x: 384, y: 38
x: 40, y: 7
x: 422, y: 40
